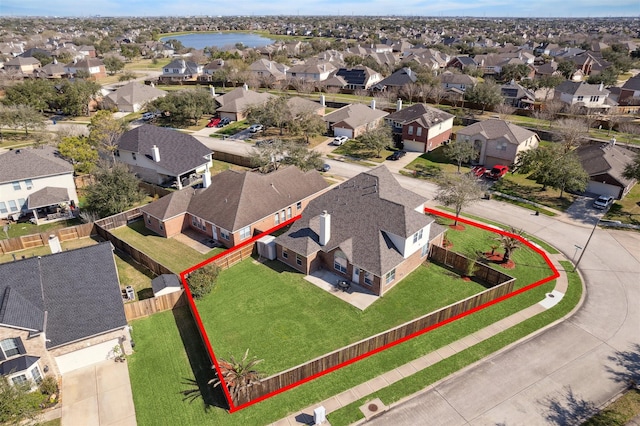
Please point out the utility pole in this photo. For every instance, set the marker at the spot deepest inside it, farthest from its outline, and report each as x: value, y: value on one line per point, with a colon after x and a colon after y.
x: 595, y: 225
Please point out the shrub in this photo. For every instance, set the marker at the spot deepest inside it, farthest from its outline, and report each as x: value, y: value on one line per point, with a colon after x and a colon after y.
x: 49, y: 385
x: 201, y: 281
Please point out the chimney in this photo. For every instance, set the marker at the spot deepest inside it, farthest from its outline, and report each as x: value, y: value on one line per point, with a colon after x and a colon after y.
x: 325, y: 228
x: 601, y: 87
x: 206, y: 178
x: 322, y: 100
x: 399, y: 105
x: 245, y: 87
x: 373, y: 104
x: 212, y: 90
x: 408, y: 71
x: 155, y: 154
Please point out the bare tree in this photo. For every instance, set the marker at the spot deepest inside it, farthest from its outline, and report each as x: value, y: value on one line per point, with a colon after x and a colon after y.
x: 571, y: 132
x: 504, y: 110
x: 409, y: 91
x: 630, y: 129
x: 458, y: 191
x: 437, y: 93
x: 551, y: 109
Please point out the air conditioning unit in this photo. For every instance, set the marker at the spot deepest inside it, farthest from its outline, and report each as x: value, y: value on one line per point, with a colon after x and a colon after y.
x: 267, y: 247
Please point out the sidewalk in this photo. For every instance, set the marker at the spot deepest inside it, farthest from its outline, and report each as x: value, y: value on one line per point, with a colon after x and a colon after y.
x: 305, y: 416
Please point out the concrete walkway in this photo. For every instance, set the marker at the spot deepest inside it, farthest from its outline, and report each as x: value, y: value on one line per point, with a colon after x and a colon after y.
x: 98, y: 395
x: 336, y: 402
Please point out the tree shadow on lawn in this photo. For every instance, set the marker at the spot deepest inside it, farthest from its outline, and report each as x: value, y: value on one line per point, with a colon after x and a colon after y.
x: 204, y: 373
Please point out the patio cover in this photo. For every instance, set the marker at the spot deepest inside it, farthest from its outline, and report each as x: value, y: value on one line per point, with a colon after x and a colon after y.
x: 48, y: 196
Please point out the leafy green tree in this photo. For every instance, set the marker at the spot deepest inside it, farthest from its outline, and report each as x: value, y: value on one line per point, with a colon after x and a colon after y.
x: 130, y: 51
x: 113, y: 64
x: 268, y: 156
x: 514, y: 72
x: 377, y: 139
x: 202, y: 280
x: 104, y: 132
x: 74, y: 96
x: 79, y: 152
x: 458, y: 191
x: 302, y: 157
x: 307, y: 124
x: 184, y: 107
x: 26, y: 117
x: 17, y: 403
x: 632, y: 169
x: 43, y: 58
x: 239, y: 376
x: 486, y: 93
x: 566, y: 68
x: 273, y: 113
x: 608, y: 77
x: 37, y: 93
x: 568, y: 174
x: 115, y: 190
x: 460, y: 151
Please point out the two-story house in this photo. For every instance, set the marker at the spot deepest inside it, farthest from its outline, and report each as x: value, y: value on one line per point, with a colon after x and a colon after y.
x: 420, y: 128
x: 93, y: 67
x: 498, y: 141
x: 359, y: 77
x: 36, y: 181
x: 22, y: 65
x: 181, y: 70
x: 312, y: 71
x: 234, y: 205
x: 163, y: 156
x: 582, y: 94
x: 368, y: 230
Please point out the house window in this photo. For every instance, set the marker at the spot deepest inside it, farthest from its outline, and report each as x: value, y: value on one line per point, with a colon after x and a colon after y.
x: 282, y: 216
x: 13, y: 206
x: 11, y: 347
x: 418, y: 131
x: 245, y: 233
x: 410, y: 130
x: 417, y: 236
x: 288, y: 212
x: 298, y: 260
x: 3, y: 207
x: 22, y: 203
x: 16, y: 186
x: 37, y: 377
x: 19, y: 380
x: 276, y: 219
x: 368, y: 278
x: 425, y: 250
x: 28, y: 183
x: 224, y: 233
x: 501, y: 146
x: 285, y: 253
x: 594, y: 98
x: 389, y: 277
x: 149, y: 220
x: 117, y: 153
x: 340, y: 262
x: 161, y: 227
x: 580, y: 98
x: 298, y: 205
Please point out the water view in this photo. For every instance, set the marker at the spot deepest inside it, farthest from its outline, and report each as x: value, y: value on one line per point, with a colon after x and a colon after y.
x: 222, y: 41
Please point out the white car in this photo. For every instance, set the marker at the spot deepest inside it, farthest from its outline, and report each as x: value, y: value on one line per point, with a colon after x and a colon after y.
x: 603, y: 202
x: 256, y: 128
x: 339, y: 140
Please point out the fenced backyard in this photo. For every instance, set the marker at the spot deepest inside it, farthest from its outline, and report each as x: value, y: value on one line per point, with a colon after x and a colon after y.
x: 146, y: 307
x: 42, y: 239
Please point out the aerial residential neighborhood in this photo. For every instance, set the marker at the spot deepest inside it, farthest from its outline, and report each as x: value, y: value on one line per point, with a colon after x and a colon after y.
x: 324, y: 218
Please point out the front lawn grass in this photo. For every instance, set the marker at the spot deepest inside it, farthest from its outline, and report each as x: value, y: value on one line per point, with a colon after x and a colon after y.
x: 521, y: 186
x: 434, y: 164
x: 353, y: 148
x: 167, y: 251
x: 626, y: 210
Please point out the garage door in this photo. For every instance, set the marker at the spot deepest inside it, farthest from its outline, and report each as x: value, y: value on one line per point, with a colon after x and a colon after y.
x: 413, y: 146
x: 339, y: 131
x: 603, y: 189
x: 86, y: 356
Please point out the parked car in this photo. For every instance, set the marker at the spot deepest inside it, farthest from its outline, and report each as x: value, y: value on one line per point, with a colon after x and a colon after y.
x: 213, y: 122
x: 397, y: 155
x: 256, y: 128
x: 497, y: 172
x: 478, y: 171
x: 603, y: 202
x: 223, y: 122
x: 339, y: 140
x: 325, y: 168
x: 149, y: 116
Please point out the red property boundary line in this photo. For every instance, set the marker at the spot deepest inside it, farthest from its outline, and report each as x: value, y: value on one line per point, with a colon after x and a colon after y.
x: 233, y: 408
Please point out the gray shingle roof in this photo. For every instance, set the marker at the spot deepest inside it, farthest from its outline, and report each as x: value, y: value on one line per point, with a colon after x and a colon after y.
x: 16, y: 365
x: 425, y: 115
x: 79, y: 289
x: 163, y: 281
x: 32, y: 163
x: 495, y: 129
x: 581, y: 88
x: 18, y: 311
x: 599, y: 160
x: 179, y: 152
x: 47, y: 196
x: 135, y: 93
x: 354, y: 115
x: 170, y: 205
x: 363, y: 211
x: 237, y: 199
x: 399, y: 78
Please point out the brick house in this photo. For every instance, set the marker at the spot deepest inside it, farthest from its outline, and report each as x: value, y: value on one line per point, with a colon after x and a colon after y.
x: 60, y: 312
x: 235, y: 205
x: 368, y: 230
x: 420, y: 127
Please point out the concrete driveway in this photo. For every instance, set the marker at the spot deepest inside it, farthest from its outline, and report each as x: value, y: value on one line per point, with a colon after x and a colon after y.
x: 98, y: 395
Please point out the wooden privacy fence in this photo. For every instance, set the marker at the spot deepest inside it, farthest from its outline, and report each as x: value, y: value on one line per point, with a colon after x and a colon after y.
x: 339, y: 356
x: 119, y: 219
x: 232, y: 158
x: 228, y: 260
x: 489, y: 276
x: 154, y: 190
x: 38, y: 240
x: 146, y: 307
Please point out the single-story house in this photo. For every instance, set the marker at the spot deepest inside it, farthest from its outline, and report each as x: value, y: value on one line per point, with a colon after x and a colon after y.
x: 60, y: 312
x: 605, y: 165
x: 22, y: 65
x: 420, y: 128
x: 233, y: 105
x: 400, y: 78
x: 132, y: 97
x: 36, y: 181
x: 353, y: 120
x: 517, y: 96
x: 163, y: 156
x: 498, y: 141
x: 368, y: 230
x: 235, y: 205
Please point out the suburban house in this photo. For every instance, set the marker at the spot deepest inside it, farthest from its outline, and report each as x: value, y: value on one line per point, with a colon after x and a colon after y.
x: 233, y: 105
x: 605, y: 165
x: 420, y: 128
x: 163, y: 156
x: 268, y: 71
x: 312, y: 70
x: 402, y: 77
x: 22, y: 65
x: 37, y: 181
x: 498, y: 141
x: 132, y: 97
x: 180, y: 70
x: 450, y: 80
x: 234, y: 206
x: 353, y: 120
x: 517, y: 96
x: 210, y: 69
x: 630, y: 91
x: 583, y: 94
x: 358, y: 77
x: 462, y: 62
x: 60, y: 312
x: 298, y: 105
x: 368, y: 230
x: 52, y: 70
x: 94, y: 67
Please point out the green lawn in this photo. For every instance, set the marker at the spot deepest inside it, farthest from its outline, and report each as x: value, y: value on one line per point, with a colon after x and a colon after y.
x: 28, y: 228
x: 352, y: 148
x: 433, y: 164
x: 169, y: 252
x: 279, y: 310
x: 521, y: 186
x: 44, y: 250
x: 626, y: 210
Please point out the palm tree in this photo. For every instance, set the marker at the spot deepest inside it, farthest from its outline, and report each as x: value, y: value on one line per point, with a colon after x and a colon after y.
x: 239, y: 376
x: 510, y: 242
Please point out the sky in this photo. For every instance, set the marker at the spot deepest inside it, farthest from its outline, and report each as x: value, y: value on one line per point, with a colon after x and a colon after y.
x: 477, y: 8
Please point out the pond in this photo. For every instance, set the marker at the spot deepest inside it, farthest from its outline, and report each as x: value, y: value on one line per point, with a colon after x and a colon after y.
x: 222, y: 41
